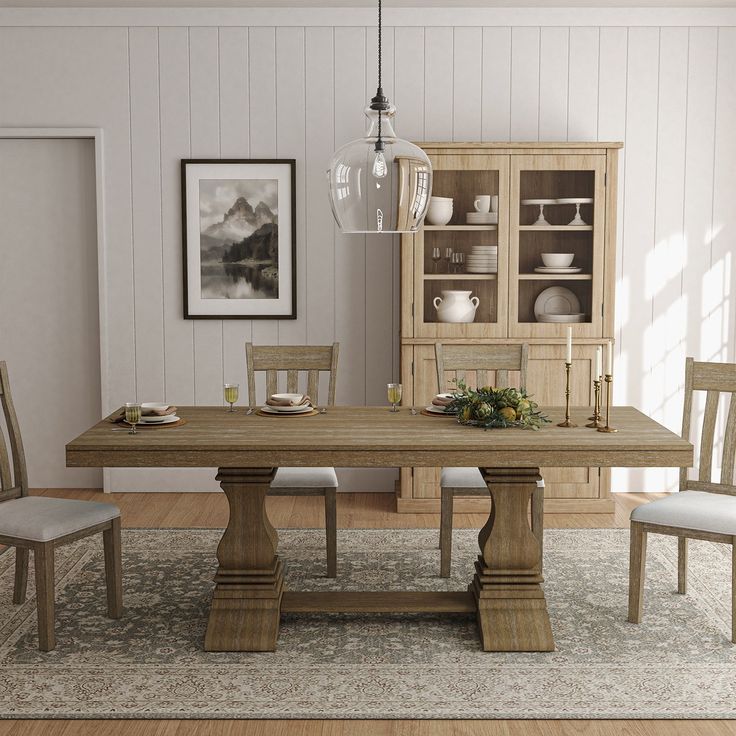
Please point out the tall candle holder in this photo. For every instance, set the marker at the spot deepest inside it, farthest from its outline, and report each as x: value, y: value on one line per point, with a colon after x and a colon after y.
x: 608, y: 427
x: 596, y: 405
x: 567, y: 422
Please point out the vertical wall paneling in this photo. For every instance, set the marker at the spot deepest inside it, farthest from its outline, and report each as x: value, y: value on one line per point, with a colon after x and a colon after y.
x: 380, y: 305
x: 496, y: 84
x: 263, y: 142
x: 438, y: 79
x: 175, y: 145
x: 582, y: 93
x: 234, y: 143
x: 467, y: 83
x: 724, y: 186
x: 146, y: 208
x: 350, y: 285
x: 409, y: 82
x: 291, y: 143
x: 319, y: 127
x: 525, y: 84
x: 665, y: 338
x: 204, y: 84
x: 553, y: 87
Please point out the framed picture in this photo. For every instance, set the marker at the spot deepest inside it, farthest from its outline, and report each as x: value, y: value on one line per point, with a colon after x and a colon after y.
x: 239, y: 237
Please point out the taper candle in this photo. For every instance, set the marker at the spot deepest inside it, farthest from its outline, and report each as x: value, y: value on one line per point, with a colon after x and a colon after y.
x: 598, y: 362
x: 568, y: 356
x: 609, y: 359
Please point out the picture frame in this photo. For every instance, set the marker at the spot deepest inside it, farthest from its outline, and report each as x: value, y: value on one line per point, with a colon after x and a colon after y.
x: 239, y: 238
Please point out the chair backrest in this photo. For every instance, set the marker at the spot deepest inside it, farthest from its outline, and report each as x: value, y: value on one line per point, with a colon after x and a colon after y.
x: 13, y: 474
x: 481, y: 359
x: 714, y: 379
x: 292, y: 359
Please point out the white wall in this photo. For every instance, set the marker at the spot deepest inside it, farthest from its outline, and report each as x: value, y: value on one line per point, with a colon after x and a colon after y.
x: 49, y: 323
x: 166, y: 85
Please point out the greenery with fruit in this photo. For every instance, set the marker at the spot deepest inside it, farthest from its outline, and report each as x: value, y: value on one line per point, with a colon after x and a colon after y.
x: 491, y: 408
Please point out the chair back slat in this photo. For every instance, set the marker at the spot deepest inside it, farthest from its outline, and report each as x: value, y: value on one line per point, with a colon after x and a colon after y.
x: 481, y: 359
x: 293, y: 360
x: 729, y: 443
x: 715, y: 379
x: 13, y: 477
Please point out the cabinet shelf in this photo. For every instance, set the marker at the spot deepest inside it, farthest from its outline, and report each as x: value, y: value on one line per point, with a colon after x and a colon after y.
x: 450, y: 228
x: 555, y: 277
x: 557, y: 228
x: 459, y: 276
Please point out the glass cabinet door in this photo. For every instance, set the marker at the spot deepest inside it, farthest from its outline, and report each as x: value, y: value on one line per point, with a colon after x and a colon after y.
x: 460, y: 266
x: 557, y: 228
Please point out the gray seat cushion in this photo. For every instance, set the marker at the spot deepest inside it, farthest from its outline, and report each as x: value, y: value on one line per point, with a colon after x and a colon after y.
x: 41, y: 519
x: 467, y: 478
x: 305, y: 478
x: 697, y: 510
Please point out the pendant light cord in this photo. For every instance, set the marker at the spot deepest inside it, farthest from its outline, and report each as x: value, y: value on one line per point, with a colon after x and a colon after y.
x: 379, y: 102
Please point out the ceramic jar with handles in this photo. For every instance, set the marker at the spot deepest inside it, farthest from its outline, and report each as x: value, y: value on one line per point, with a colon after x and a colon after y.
x: 439, y: 211
x: 456, y: 306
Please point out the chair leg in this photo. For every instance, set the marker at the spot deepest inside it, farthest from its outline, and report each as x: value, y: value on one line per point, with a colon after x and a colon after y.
x: 113, y: 569
x: 682, y: 565
x: 21, y: 575
x: 733, y: 590
x: 538, y: 522
x: 331, y: 530
x: 637, y: 565
x: 446, y: 532
x: 43, y: 558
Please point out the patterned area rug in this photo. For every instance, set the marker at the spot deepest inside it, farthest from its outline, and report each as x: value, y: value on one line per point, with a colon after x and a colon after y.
x: 678, y: 663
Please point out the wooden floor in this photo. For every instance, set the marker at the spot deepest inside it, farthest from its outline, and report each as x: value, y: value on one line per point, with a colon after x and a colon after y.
x: 359, y: 510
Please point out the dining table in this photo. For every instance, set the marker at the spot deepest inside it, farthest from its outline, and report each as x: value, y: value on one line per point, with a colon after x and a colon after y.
x: 505, y: 594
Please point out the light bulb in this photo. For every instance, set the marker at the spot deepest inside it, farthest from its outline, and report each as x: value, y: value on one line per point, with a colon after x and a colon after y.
x: 379, y: 165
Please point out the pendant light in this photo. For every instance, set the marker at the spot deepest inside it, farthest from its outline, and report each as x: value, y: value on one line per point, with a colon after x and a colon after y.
x: 379, y: 183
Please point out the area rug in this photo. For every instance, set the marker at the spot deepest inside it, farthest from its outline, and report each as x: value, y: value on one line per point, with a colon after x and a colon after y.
x: 678, y: 663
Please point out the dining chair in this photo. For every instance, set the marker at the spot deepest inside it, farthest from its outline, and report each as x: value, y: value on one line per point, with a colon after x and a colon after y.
x: 42, y: 524
x: 312, y: 359
x: 702, y: 509
x: 480, y: 359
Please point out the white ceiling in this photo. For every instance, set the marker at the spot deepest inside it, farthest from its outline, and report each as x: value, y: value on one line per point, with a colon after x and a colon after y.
x: 365, y: 3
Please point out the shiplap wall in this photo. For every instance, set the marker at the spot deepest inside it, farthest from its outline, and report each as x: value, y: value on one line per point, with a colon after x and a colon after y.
x: 169, y: 91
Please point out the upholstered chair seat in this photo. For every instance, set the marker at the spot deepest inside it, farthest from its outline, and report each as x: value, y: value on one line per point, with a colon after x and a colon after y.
x: 696, y: 510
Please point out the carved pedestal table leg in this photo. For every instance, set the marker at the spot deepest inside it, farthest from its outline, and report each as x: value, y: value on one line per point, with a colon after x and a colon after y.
x: 512, y: 612
x: 246, y: 604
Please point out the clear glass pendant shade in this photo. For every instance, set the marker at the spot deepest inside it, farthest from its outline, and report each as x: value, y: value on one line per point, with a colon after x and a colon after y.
x: 380, y: 191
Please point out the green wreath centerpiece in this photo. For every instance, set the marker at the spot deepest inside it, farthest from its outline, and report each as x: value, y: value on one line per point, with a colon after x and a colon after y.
x: 491, y: 408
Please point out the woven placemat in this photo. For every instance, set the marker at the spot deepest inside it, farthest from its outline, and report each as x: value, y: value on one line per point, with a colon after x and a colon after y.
x: 146, y: 425
x: 435, y: 414
x: 287, y: 414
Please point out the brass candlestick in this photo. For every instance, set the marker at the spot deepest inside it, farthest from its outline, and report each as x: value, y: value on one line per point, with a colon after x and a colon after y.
x: 596, y: 406
x: 608, y: 427
x: 567, y: 422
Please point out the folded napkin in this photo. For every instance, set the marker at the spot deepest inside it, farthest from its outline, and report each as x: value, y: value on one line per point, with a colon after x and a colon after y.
x: 442, y: 401
x: 163, y: 412
x: 303, y: 401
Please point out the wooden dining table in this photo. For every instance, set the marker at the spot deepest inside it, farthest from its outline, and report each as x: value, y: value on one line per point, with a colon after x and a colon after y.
x: 505, y: 593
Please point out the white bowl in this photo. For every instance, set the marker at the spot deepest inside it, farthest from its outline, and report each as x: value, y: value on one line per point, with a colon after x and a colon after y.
x: 557, y: 260
x: 287, y: 397
x: 153, y: 406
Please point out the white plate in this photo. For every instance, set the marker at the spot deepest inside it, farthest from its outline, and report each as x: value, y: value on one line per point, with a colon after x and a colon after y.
x: 556, y: 300
x: 168, y: 419
x: 569, y: 269
x: 561, y: 318
x: 483, y: 269
x: 575, y: 200
x: 287, y: 409
x: 432, y: 409
x: 540, y: 201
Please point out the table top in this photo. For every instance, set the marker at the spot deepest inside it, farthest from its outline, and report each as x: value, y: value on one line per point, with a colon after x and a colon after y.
x: 374, y: 437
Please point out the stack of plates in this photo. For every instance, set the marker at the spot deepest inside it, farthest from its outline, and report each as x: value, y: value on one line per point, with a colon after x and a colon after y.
x: 558, y: 305
x: 300, y: 409
x: 481, y: 218
x: 568, y: 269
x: 157, y: 418
x: 483, y: 259
x: 561, y: 318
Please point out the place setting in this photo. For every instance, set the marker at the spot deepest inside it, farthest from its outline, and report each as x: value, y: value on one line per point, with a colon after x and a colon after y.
x: 147, y: 415
x: 289, y: 405
x: 440, y: 406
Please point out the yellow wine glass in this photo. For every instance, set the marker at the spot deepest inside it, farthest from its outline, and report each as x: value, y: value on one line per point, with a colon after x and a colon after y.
x: 132, y: 416
x: 232, y: 391
x: 394, y: 395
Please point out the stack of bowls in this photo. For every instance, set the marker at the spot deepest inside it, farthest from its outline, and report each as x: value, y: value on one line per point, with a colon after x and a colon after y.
x: 483, y: 259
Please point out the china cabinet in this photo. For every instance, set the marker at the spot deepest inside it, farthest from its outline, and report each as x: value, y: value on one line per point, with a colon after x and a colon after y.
x: 548, y: 198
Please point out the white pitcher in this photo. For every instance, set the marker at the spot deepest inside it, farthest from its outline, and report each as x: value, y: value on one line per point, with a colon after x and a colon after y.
x: 456, y: 306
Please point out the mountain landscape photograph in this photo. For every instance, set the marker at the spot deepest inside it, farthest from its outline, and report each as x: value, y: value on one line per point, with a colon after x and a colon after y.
x: 239, y: 238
